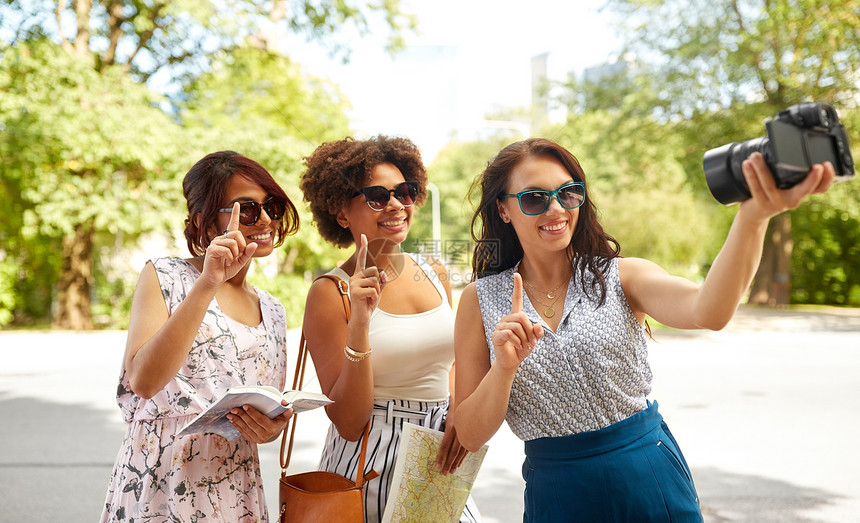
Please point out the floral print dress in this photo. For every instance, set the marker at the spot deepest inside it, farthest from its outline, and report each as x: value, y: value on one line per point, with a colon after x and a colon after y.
x: 200, y: 477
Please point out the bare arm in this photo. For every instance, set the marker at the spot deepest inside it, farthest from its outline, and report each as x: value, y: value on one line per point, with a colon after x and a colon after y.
x: 158, y: 345
x: 348, y: 383
x: 679, y: 303
x: 484, y: 389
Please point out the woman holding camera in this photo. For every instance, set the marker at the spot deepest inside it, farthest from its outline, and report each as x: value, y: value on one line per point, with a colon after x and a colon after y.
x: 552, y: 337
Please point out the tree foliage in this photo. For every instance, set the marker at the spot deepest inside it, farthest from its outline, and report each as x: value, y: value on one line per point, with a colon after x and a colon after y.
x: 88, y: 153
x: 717, y: 69
x: 145, y: 37
x: 93, y: 156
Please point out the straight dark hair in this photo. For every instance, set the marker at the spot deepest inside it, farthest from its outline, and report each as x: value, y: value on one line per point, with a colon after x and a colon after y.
x: 205, y: 185
x: 497, y: 246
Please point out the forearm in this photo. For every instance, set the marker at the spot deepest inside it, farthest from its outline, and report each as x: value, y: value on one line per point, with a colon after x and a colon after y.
x: 353, y: 398
x: 353, y: 391
x: 481, y: 414
x: 731, y: 273
x: 158, y: 360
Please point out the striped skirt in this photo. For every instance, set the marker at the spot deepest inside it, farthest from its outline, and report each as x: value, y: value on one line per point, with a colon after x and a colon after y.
x: 386, y: 425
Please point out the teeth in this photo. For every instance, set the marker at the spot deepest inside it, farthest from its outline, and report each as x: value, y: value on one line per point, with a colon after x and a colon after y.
x: 262, y: 236
x: 556, y: 227
x: 393, y: 223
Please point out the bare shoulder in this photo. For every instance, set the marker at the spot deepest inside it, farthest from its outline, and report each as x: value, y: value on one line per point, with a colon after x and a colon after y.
x: 148, y: 288
x: 631, y: 269
x: 323, y: 300
x: 148, y: 310
x: 469, y: 297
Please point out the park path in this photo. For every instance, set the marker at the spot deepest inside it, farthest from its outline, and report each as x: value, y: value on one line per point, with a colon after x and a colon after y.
x: 765, y: 411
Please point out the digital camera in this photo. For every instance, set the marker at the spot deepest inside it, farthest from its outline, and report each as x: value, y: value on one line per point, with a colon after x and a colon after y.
x: 797, y: 138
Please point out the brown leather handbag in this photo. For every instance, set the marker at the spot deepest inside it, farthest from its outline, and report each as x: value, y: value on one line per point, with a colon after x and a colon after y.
x: 319, y: 495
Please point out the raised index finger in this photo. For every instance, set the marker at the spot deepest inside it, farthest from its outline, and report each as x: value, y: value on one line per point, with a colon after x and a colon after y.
x: 517, y: 296
x: 361, y: 255
x: 234, y: 218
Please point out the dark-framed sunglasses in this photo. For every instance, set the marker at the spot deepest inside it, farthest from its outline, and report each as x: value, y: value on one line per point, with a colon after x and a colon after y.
x: 377, y: 196
x: 536, y: 201
x: 250, y: 212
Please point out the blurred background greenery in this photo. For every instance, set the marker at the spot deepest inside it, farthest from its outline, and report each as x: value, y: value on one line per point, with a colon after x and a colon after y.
x: 92, y: 154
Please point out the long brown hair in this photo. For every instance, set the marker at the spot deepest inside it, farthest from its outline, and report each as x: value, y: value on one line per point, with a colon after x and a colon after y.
x: 497, y: 246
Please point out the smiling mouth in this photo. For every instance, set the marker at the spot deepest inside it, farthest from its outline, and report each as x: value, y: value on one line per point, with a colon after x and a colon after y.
x: 393, y: 223
x: 261, y: 236
x: 555, y: 227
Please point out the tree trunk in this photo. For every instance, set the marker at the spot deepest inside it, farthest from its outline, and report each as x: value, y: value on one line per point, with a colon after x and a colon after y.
x: 82, y: 38
x: 772, y: 283
x: 76, y: 278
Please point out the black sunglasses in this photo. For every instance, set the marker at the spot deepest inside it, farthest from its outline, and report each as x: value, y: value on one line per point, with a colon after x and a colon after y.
x: 536, y: 201
x: 250, y: 212
x: 377, y: 196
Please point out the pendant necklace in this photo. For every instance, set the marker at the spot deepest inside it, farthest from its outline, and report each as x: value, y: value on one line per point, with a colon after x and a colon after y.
x: 550, y: 295
x: 549, y: 311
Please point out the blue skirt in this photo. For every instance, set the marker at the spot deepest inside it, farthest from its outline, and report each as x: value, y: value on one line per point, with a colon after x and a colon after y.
x: 629, y: 471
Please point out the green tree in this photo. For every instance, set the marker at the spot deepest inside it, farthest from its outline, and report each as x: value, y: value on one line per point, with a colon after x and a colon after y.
x: 88, y: 153
x: 718, y: 68
x: 81, y: 169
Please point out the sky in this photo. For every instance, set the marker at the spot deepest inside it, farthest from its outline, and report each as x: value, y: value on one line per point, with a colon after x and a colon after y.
x: 467, y: 58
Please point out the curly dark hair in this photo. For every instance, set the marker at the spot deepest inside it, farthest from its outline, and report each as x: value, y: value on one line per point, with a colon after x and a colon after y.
x: 204, y: 187
x: 498, y: 247
x: 335, y: 170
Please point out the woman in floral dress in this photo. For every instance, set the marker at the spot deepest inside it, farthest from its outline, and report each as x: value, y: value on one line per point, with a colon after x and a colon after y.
x: 198, y: 328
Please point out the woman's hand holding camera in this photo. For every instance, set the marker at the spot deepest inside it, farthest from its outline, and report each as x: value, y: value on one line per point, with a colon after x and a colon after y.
x: 768, y: 200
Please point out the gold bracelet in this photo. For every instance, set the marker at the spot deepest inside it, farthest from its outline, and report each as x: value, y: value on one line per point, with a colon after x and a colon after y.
x: 355, y: 356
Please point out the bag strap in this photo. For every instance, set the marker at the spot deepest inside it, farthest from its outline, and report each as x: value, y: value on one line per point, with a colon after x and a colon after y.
x: 298, y: 380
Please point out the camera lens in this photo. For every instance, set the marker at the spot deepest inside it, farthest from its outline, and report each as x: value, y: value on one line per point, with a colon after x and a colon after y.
x: 723, y: 170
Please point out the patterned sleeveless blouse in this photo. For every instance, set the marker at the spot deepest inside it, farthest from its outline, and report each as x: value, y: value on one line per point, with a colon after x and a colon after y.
x: 225, y: 353
x: 160, y: 477
x: 590, y: 373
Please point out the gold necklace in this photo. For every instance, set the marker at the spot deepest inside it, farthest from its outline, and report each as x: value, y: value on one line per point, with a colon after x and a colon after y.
x: 549, y: 312
x: 549, y: 294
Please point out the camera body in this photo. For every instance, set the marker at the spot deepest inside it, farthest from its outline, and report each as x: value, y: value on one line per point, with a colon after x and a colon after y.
x: 797, y: 138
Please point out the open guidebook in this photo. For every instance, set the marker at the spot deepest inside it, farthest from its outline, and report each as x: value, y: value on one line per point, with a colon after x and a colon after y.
x: 264, y: 398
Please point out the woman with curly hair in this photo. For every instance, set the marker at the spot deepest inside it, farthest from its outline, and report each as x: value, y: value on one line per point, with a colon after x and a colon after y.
x: 197, y: 329
x: 551, y: 336
x: 390, y: 362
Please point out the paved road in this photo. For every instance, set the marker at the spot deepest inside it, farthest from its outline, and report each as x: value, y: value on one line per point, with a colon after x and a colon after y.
x: 765, y: 411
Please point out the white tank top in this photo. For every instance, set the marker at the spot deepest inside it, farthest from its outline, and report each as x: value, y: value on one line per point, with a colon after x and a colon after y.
x: 412, y: 353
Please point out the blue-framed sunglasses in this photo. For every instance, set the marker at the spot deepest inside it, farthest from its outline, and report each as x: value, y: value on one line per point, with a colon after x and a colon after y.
x: 536, y: 201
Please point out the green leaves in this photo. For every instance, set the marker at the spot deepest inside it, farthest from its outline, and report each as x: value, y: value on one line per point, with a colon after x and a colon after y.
x: 711, y: 71
x: 89, y: 150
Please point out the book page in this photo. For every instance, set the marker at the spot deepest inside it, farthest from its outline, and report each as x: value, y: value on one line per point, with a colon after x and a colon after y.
x: 302, y: 401
x: 420, y: 493
x: 214, y: 419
